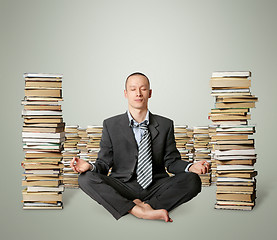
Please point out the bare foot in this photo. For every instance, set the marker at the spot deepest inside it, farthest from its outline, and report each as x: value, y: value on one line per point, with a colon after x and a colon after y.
x: 145, y: 211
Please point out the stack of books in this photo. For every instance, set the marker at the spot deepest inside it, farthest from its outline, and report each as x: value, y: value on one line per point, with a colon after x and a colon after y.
x: 70, y: 178
x: 202, y: 150
x: 212, y: 132
x: 233, y: 150
x: 190, y: 144
x: 182, y: 138
x: 43, y: 136
x: 82, y: 144
x: 94, y: 133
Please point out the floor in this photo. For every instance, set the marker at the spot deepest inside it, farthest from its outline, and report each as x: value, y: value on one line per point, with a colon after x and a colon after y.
x: 197, y: 219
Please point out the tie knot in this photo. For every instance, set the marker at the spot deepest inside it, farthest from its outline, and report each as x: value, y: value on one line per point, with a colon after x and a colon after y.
x: 144, y: 125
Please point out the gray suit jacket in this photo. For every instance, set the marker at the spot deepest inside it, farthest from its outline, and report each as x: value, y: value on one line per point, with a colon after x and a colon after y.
x: 119, y: 149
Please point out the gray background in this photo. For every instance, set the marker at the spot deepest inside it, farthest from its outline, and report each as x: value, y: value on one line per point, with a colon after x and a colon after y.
x: 96, y: 44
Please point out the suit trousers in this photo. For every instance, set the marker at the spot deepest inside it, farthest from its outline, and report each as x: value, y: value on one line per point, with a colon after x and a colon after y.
x: 117, y: 196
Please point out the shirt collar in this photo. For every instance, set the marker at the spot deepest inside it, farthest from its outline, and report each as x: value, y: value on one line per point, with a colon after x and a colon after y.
x: 133, y: 122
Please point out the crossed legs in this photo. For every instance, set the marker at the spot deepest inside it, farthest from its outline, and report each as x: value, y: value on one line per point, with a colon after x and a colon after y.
x: 154, y: 203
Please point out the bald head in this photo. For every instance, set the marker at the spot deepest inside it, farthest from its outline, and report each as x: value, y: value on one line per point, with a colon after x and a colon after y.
x: 136, y: 74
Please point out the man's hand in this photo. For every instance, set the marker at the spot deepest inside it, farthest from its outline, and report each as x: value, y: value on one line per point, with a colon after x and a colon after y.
x: 201, y: 167
x: 79, y: 165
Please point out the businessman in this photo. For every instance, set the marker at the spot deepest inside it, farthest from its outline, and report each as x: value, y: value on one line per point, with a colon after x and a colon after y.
x: 139, y: 147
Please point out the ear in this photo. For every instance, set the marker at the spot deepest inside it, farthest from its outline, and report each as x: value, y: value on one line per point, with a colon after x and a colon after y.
x: 150, y: 93
x: 125, y: 93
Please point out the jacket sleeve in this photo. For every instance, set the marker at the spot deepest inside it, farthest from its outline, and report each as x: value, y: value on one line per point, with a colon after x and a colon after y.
x: 104, y: 160
x: 172, y: 157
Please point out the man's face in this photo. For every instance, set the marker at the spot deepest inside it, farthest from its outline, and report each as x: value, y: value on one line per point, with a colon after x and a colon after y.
x: 137, y: 92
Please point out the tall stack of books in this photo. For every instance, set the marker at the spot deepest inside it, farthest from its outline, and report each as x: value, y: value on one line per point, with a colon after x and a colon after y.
x: 182, y: 138
x: 202, y: 150
x: 234, y: 151
x: 43, y: 136
x: 94, y: 133
x: 70, y: 178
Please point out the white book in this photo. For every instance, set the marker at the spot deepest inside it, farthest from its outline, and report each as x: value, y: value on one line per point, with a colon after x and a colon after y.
x: 202, y: 150
x: 229, y: 179
x: 183, y: 150
x: 94, y: 150
x: 232, y: 123
x: 42, y: 75
x: 242, y: 127
x: 95, y: 126
x: 234, y: 167
x: 43, y: 140
x: 44, y: 171
x: 202, y: 127
x: 66, y: 163
x: 48, y: 88
x: 233, y: 90
x: 45, y: 189
x: 41, y: 113
x: 235, y: 152
x: 67, y: 169
x: 226, y: 134
x: 81, y: 144
x: 36, y: 204
x: 29, y: 144
x: 230, y: 94
x: 201, y: 135
x: 43, y: 135
x: 71, y: 134
x: 71, y: 151
x: 24, y: 102
x: 44, y: 98
x: 231, y: 74
x: 82, y: 129
x: 72, y: 126
x: 70, y: 174
x: 94, y: 134
x: 34, y: 151
x: 232, y: 128
x: 42, y: 147
x: 235, y: 157
x: 66, y: 150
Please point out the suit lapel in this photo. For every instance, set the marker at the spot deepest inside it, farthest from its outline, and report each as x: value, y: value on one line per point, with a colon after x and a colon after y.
x: 127, y: 130
x: 153, y: 124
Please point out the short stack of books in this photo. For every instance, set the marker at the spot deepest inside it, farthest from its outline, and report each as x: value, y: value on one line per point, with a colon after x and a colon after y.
x: 43, y: 136
x: 182, y: 138
x: 94, y: 133
x: 202, y: 150
x: 70, y: 178
x: 233, y: 150
x: 82, y: 144
x: 212, y: 132
x: 190, y: 144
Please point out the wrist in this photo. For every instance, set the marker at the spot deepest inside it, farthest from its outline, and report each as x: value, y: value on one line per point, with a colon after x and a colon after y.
x: 91, y: 166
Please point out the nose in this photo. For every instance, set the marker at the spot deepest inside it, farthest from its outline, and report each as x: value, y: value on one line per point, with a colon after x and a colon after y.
x: 138, y: 92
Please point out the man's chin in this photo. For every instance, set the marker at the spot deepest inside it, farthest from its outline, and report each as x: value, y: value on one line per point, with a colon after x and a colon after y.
x: 139, y: 107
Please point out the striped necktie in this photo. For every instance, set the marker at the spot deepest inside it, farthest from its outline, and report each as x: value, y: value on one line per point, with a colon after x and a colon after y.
x: 144, y: 167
